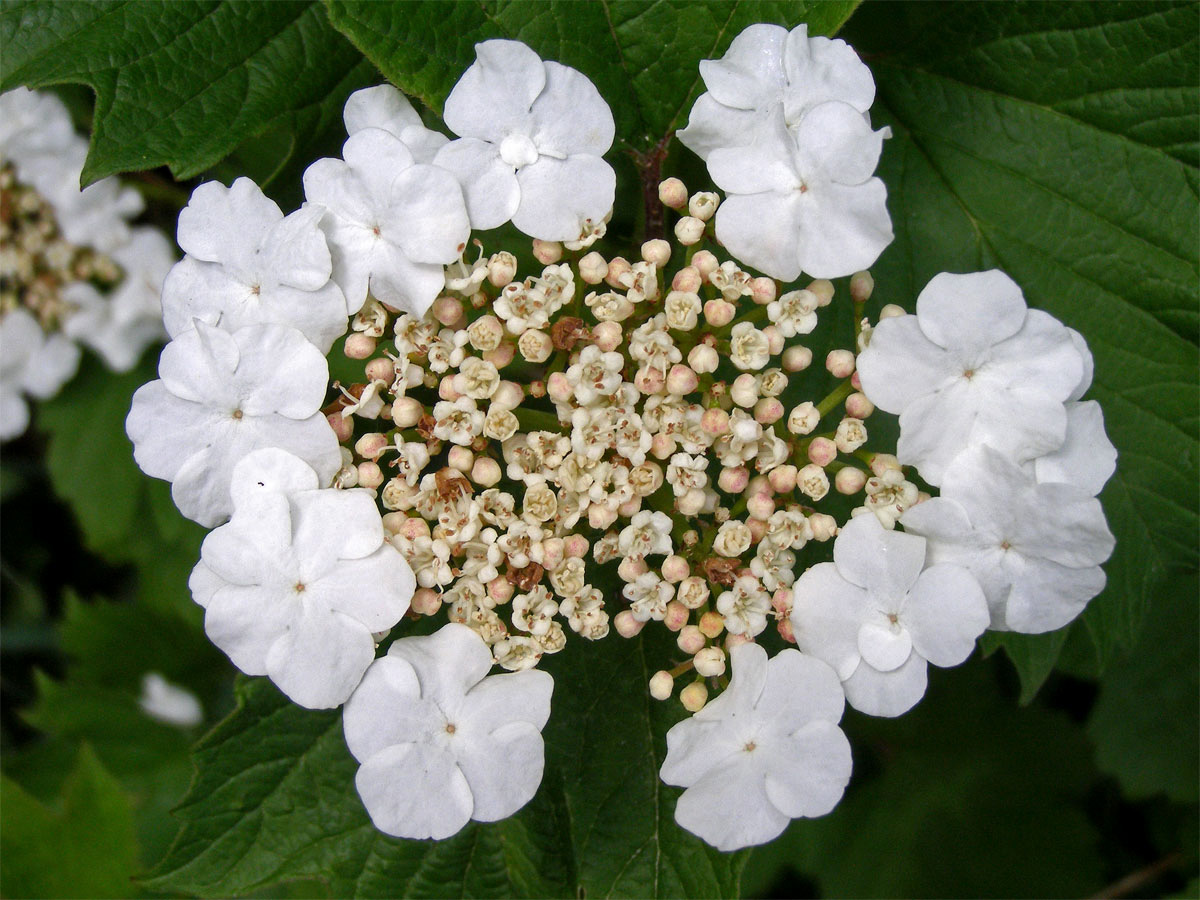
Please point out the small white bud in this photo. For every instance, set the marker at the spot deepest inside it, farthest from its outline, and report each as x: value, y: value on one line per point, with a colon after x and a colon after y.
x: 657, y: 252
x: 689, y: 230
x: 661, y: 685
x: 687, y: 280
x: 823, y: 527
x: 681, y: 380
x: 804, y: 418
x: 703, y: 205
x: 627, y: 626
x: 547, y: 252
x: 797, y: 358
x: 710, y: 662
x: 703, y: 359
x: 690, y: 640
x: 706, y: 263
x: 768, y: 411
x: 593, y: 268
x: 447, y: 310
x: 822, y: 451
x: 892, y: 311
x: 861, y: 286
x: 719, y: 313
x: 694, y: 696
x: 508, y: 395
x: 535, y: 346
x: 840, y: 363
x: 607, y: 336
x: 762, y: 290
x: 617, y: 267
x: 502, y: 268
x: 673, y: 193
x: 485, y: 471
x: 461, y: 459
x: 370, y: 475
x: 359, y: 346
x: 849, y: 480
x: 823, y: 288
x: 744, y: 390
x: 406, y: 412
x: 369, y: 446
x: 859, y: 406
x: 691, y: 503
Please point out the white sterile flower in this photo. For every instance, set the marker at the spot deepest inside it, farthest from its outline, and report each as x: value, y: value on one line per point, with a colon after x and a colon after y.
x: 32, y: 364
x: 1087, y: 458
x: 766, y: 751
x: 440, y: 742
x: 122, y: 324
x: 169, y: 703
x: 385, y: 107
x: 248, y: 264
x: 805, y: 201
x: 768, y: 71
x: 393, y: 224
x: 297, y: 581
x: 648, y: 533
x: 749, y: 348
x: 744, y: 607
x: 220, y: 396
x: 794, y: 313
x: 532, y: 134
x: 973, y: 366
x: 877, y: 615
x: 1035, y: 548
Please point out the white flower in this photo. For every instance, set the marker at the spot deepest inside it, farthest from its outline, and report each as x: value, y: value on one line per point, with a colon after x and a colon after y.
x: 1087, y: 458
x: 766, y: 751
x: 248, y: 264
x: 794, y: 313
x: 648, y: 597
x: 220, y: 396
x: 768, y: 71
x: 805, y: 200
x: 458, y: 421
x: 1035, y: 548
x: 648, y: 533
x: 119, y: 326
x: 876, y: 614
x: 744, y: 607
x: 170, y: 703
x: 682, y: 310
x: 748, y: 347
x: 393, y: 224
x: 733, y: 539
x: 439, y: 741
x: 532, y: 134
x: 294, y: 585
x: 973, y: 366
x: 32, y: 364
x: 385, y: 107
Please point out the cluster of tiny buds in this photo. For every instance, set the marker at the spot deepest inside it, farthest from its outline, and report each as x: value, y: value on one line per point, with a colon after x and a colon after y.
x: 36, y: 261
x: 527, y: 432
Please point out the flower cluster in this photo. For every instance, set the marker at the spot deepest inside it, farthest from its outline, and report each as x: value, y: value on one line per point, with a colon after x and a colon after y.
x: 72, y: 269
x: 592, y: 444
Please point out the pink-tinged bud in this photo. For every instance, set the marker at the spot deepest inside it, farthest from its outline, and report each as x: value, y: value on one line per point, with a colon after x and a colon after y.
x: 892, y: 311
x: 508, y: 395
x: 782, y: 479
x: 796, y: 358
x: 823, y: 527
x: 661, y: 685
x: 447, y: 310
x: 676, y: 616
x: 689, y: 230
x: 393, y: 522
x: 760, y: 506
x: 759, y: 484
x: 675, y: 568
x: 426, y: 602
x: 369, y: 446
x: 706, y: 263
x: 558, y: 388
x: 804, y: 418
x: 781, y: 602
x: 485, y: 471
x: 711, y: 624
x: 762, y: 290
x: 501, y: 356
x: 600, y: 516
x: 682, y: 380
x: 734, y: 640
x: 768, y: 411
x: 342, y: 427
x: 733, y: 479
x: 691, y: 503
x: 359, y: 346
x: 882, y: 462
x: 785, y: 630
x: 710, y: 662
x: 657, y: 252
x: 703, y: 359
x: 369, y: 475
x: 575, y: 546
x: 822, y: 451
x: 840, y: 363
x: 380, y: 370
x: 648, y: 381
x: 690, y: 639
x: 553, y: 553
x: 858, y: 406
x: 687, y: 280
x: 719, y: 313
x: 446, y: 388
x: 500, y: 589
x: 849, y: 480
x: 406, y: 412
x: 414, y: 527
x: 715, y: 421
x: 617, y: 266
x: 855, y: 381
x: 537, y: 389
x: 535, y: 346
x: 607, y: 336
x: 861, y: 286
x: 774, y: 339
x: 694, y: 696
x: 630, y: 507
x: 547, y: 252
x: 758, y: 529
x: 479, y: 300
x: 672, y: 193
x: 631, y: 567
x: 823, y: 288
x: 627, y: 626
x: 744, y: 390
x: 662, y: 445
x: 502, y: 268
x: 593, y: 268
x: 460, y: 458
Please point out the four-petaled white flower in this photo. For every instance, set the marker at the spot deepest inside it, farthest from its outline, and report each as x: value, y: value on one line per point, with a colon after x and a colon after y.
x: 973, y: 366
x: 440, y: 742
x: 298, y: 580
x: 766, y: 751
x: 877, y: 615
x: 220, y: 396
x: 385, y: 107
x: 247, y: 263
x: 532, y: 134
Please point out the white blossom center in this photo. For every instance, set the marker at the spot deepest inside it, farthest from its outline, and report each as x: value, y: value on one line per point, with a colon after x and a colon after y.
x: 517, y: 150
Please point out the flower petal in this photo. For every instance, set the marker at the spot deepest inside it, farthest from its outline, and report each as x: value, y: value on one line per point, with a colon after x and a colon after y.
x: 427, y: 216
x: 557, y: 195
x: 570, y: 116
x: 883, y: 648
x: 843, y: 229
x: 945, y: 613
x: 415, y: 791
x: 826, y: 614
x: 762, y: 231
x: 386, y: 709
x: 321, y: 658
x: 712, y: 126
x: 834, y: 139
x: 809, y: 771
x: 800, y: 689
x: 887, y: 694
x: 1087, y: 459
x: 819, y: 69
x: 750, y: 74
x: 971, y: 312
x: 226, y: 225
x: 448, y: 662
x: 494, y: 95
x: 245, y: 621
x: 884, y: 562
x: 489, y: 184
x: 901, y: 364
x: 1047, y: 595
x: 381, y: 106
x: 729, y: 807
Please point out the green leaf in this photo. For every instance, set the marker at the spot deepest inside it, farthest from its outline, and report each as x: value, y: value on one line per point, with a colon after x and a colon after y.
x: 642, y: 56
x: 85, y: 850
x: 1145, y: 721
x: 1058, y: 142
x: 1033, y: 655
x: 184, y: 83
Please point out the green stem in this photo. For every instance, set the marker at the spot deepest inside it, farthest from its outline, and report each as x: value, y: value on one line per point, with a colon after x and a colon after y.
x: 835, y: 397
